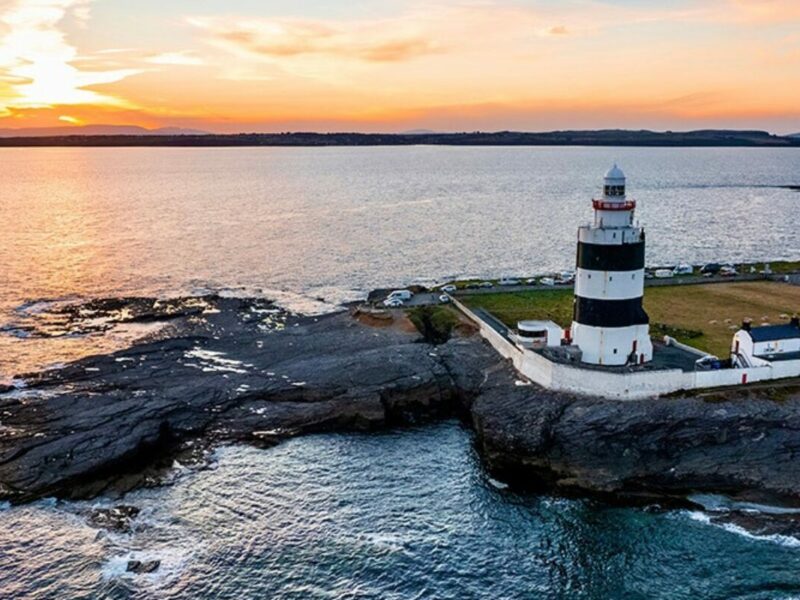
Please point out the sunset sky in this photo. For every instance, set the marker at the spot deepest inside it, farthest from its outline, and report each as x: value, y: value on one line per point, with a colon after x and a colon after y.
x: 393, y: 65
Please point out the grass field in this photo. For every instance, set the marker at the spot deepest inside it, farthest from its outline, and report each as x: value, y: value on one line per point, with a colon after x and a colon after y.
x: 704, y: 316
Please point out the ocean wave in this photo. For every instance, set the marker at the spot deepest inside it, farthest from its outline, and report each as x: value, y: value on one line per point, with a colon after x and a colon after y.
x: 775, y: 538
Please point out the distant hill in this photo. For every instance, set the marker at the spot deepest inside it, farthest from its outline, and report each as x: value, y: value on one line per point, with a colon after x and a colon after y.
x: 417, y: 132
x: 794, y: 135
x: 83, y: 130
x: 608, y: 137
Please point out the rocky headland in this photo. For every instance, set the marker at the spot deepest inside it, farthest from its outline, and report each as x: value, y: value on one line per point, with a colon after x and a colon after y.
x: 228, y: 370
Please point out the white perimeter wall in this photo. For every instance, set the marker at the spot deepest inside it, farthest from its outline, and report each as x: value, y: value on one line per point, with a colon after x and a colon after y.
x: 622, y: 386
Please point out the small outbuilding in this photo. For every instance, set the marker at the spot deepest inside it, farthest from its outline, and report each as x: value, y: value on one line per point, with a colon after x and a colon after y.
x: 538, y: 334
x: 755, y: 345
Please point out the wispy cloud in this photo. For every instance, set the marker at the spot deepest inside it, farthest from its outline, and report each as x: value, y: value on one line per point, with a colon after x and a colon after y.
x: 182, y: 59
x: 377, y: 41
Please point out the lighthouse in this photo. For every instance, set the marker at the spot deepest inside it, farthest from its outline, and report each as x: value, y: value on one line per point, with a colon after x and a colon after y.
x: 609, y: 323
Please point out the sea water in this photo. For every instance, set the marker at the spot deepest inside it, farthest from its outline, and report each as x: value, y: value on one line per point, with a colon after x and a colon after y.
x: 405, y: 514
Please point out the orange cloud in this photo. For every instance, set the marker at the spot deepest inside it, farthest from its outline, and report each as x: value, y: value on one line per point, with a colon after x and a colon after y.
x: 36, y: 61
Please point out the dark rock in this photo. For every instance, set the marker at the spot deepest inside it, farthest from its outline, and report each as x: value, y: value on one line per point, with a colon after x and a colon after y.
x: 139, y: 567
x: 118, y: 518
x: 112, y: 423
x: 639, y: 449
x: 243, y: 372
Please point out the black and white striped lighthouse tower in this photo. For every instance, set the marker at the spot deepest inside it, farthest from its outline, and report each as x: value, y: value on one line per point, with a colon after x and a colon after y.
x: 610, y: 325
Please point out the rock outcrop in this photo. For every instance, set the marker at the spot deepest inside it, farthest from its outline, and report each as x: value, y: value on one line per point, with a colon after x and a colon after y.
x: 745, y: 444
x: 244, y: 371
x: 241, y: 371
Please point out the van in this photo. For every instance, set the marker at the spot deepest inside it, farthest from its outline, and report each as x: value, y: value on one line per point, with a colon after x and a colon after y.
x: 663, y: 273
x: 404, y: 295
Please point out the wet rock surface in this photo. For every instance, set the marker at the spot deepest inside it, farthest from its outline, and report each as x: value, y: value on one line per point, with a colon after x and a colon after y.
x: 746, y: 445
x: 139, y: 567
x: 239, y: 370
x: 118, y: 518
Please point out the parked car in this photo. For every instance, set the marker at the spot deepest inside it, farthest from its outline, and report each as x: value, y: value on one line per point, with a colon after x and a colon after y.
x: 712, y: 268
x: 444, y: 299
x: 648, y: 275
x: 683, y: 270
x: 486, y: 284
x: 508, y: 281
x: 707, y: 363
x: 449, y: 289
x: 402, y: 295
x: 728, y: 271
x: 565, y: 278
x: 531, y: 281
x: 663, y: 273
x: 393, y: 303
x: 547, y: 281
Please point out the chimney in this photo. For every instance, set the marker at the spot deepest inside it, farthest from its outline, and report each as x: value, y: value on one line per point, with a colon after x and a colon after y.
x: 746, y: 324
x: 795, y: 322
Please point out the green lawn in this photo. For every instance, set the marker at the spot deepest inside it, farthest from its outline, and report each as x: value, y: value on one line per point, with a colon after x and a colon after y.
x: 704, y: 316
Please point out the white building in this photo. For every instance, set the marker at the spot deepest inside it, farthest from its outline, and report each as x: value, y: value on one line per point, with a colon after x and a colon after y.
x: 757, y: 346
x: 538, y: 334
x: 610, y: 325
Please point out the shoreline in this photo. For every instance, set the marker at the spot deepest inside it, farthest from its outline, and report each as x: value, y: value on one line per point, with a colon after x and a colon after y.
x: 601, y: 138
x: 111, y: 423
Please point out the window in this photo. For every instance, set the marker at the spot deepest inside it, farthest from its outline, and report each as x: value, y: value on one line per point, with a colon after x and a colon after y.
x: 633, y: 276
x: 615, y: 350
x: 611, y: 278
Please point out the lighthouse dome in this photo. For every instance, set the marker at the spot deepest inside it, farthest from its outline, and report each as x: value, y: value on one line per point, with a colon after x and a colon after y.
x: 615, y: 174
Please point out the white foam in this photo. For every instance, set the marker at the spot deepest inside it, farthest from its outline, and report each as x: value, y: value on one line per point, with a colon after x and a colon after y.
x: 775, y: 538
x: 497, y: 484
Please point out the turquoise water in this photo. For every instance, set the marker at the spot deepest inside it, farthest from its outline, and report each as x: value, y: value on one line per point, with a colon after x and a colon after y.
x: 406, y: 514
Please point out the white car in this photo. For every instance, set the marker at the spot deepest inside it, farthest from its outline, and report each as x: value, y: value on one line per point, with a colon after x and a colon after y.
x: 402, y: 295
x: 547, y: 281
x: 664, y: 273
x: 486, y: 284
x: 683, y: 270
x: 567, y: 276
x: 444, y: 298
x: 449, y: 289
x: 393, y: 303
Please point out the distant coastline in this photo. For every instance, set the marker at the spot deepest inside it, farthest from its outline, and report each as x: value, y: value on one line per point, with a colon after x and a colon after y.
x: 608, y: 137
